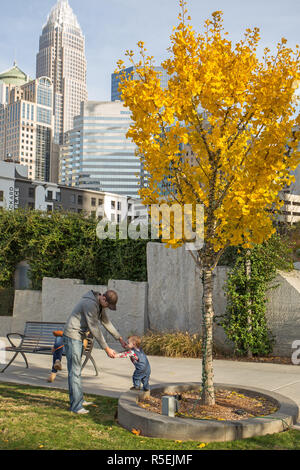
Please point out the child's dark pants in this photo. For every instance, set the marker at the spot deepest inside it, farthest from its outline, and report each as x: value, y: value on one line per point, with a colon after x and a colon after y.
x: 141, y: 376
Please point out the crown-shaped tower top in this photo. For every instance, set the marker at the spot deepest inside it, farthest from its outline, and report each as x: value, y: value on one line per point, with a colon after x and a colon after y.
x: 62, y: 14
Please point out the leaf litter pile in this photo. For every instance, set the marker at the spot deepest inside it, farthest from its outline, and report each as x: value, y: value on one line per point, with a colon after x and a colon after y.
x: 230, y: 405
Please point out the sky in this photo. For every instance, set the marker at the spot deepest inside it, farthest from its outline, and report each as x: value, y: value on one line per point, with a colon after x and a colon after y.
x: 113, y: 26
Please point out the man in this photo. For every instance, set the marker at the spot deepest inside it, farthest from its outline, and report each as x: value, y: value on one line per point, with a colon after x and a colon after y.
x: 86, y: 318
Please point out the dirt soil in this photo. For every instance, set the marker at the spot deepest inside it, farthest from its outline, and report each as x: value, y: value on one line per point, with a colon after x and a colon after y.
x: 230, y: 405
x: 267, y: 359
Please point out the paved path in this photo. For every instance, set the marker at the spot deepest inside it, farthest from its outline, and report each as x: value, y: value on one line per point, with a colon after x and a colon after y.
x: 115, y: 374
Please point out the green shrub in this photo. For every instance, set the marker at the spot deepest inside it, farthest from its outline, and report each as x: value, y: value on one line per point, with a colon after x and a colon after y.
x: 244, y: 321
x: 65, y: 245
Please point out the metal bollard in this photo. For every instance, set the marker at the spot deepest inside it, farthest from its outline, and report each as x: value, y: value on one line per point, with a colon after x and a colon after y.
x: 169, y: 406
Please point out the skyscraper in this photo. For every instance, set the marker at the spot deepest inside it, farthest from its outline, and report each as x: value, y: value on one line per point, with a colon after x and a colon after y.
x: 61, y: 57
x: 26, y: 123
x: 97, y: 154
x: 115, y: 80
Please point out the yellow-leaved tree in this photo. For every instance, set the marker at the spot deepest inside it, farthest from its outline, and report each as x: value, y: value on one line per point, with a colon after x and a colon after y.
x: 236, y: 112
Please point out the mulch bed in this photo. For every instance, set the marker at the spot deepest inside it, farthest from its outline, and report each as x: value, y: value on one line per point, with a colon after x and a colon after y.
x: 230, y: 405
x: 267, y: 359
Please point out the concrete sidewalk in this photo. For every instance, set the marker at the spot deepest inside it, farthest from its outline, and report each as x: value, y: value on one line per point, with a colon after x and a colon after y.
x: 115, y: 374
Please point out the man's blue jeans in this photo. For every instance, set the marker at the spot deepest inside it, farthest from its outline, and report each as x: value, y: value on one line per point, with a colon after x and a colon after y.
x: 74, y: 350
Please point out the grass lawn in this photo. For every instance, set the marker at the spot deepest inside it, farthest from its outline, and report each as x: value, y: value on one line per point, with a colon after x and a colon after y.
x: 34, y: 418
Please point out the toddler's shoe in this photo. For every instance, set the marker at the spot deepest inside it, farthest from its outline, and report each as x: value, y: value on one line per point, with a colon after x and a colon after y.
x: 135, y: 388
x: 52, y: 377
x: 87, y: 403
x: 58, y: 365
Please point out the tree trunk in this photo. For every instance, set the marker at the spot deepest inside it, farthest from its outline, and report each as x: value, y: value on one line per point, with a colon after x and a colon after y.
x: 208, y: 393
x: 248, y: 276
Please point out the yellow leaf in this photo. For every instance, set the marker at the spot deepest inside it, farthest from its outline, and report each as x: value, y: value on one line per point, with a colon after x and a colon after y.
x: 200, y: 446
x: 137, y: 432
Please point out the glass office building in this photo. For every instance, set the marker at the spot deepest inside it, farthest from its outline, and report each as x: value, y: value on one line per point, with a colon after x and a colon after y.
x: 97, y: 154
x: 115, y: 80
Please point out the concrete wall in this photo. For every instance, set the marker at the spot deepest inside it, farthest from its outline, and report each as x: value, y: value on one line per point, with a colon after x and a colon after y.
x: 175, y: 292
x: 283, y: 311
x: 5, y: 325
x: 27, y: 307
x: 131, y: 314
x: 59, y: 296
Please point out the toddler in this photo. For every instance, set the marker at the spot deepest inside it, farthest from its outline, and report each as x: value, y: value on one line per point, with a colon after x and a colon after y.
x: 140, y: 361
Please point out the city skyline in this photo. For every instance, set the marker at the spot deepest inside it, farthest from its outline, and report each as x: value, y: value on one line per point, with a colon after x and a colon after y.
x: 111, y: 28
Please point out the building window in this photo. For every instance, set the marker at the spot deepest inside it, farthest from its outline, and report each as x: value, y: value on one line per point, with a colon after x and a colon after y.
x: 119, y: 206
x: 49, y: 208
x: 80, y: 200
x: 93, y: 201
x: 1, y: 196
x: 113, y: 204
x: 31, y: 205
x: 31, y: 192
x: 73, y: 198
x: 50, y: 195
x: 118, y: 218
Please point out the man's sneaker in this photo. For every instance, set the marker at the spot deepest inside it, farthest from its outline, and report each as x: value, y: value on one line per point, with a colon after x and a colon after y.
x: 52, y: 377
x: 87, y: 403
x: 82, y: 411
x: 57, y: 365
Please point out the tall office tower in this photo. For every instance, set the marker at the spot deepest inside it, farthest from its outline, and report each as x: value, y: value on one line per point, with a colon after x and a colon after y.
x: 97, y: 154
x: 26, y: 126
x: 61, y: 57
x: 115, y: 80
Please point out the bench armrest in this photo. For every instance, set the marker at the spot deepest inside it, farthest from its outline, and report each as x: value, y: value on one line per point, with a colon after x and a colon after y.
x: 12, y: 334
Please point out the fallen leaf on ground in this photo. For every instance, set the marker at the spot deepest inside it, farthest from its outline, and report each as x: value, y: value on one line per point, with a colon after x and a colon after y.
x: 137, y: 432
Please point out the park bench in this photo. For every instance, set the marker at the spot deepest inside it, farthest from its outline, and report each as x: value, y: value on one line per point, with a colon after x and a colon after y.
x: 38, y: 338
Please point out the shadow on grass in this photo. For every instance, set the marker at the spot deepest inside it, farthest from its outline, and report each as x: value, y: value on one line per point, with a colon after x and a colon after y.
x: 15, y: 397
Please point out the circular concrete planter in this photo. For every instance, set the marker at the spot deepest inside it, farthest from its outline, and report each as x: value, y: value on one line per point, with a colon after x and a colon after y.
x: 131, y: 416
